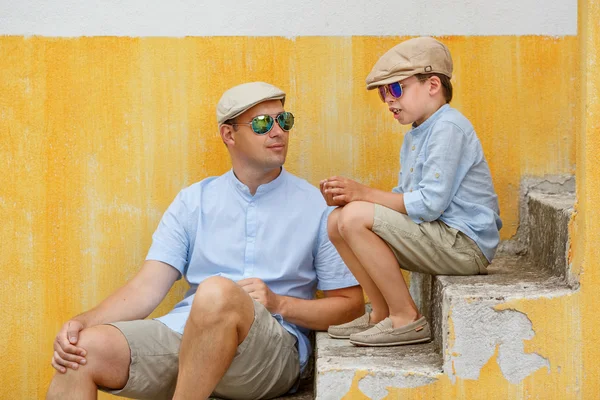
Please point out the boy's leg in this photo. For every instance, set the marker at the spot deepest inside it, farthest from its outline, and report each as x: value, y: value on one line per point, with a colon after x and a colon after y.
x: 378, y: 302
x: 355, y: 224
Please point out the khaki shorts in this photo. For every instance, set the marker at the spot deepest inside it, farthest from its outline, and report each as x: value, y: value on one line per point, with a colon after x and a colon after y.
x: 431, y: 247
x: 265, y: 365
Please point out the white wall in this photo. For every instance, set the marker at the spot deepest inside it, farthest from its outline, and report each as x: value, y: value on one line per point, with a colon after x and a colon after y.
x: 285, y: 18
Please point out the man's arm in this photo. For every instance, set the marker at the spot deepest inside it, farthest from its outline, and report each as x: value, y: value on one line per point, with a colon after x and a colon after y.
x: 135, y: 300
x: 338, y: 306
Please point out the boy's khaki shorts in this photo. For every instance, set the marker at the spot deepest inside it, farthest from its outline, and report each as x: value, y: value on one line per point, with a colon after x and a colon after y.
x: 266, y: 363
x: 431, y: 247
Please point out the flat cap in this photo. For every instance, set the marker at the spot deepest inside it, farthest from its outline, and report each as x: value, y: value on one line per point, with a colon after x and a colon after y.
x: 422, y: 55
x: 245, y: 96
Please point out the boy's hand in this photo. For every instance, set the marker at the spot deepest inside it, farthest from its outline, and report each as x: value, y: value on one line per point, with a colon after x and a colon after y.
x: 329, y: 196
x: 344, y: 190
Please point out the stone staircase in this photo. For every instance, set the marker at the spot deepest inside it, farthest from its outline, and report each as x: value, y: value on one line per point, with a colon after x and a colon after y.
x: 473, y: 319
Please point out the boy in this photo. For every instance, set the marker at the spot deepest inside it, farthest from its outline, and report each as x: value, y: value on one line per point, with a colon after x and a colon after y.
x: 441, y: 219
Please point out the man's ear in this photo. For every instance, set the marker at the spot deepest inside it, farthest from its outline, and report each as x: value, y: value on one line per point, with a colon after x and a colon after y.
x: 227, y: 134
x: 435, y: 85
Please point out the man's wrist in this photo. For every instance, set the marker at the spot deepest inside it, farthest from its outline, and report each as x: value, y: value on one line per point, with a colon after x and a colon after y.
x: 281, y: 305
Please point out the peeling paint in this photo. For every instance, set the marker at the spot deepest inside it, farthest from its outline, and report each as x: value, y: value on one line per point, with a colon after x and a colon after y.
x: 478, y: 330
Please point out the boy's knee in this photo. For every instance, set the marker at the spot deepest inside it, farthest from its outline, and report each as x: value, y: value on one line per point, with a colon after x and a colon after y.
x: 332, y: 225
x: 354, y: 217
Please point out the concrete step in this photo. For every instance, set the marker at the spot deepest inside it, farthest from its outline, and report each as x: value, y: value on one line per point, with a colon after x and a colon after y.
x: 470, y: 324
x: 339, y: 365
x: 548, y: 219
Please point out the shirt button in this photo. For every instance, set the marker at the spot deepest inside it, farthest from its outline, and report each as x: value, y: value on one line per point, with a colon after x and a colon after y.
x: 411, y: 190
x: 421, y: 219
x: 411, y: 170
x: 413, y: 148
x: 437, y: 175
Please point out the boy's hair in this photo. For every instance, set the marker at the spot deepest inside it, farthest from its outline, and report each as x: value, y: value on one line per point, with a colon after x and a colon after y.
x: 446, y: 84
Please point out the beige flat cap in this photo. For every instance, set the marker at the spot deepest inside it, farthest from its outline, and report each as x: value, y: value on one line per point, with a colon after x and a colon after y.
x: 423, y: 55
x: 245, y: 96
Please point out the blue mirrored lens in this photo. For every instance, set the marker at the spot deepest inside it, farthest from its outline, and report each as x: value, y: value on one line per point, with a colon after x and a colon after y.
x: 395, y: 89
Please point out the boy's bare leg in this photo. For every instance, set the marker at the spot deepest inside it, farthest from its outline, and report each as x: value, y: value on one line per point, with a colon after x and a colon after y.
x: 221, y: 317
x: 107, y: 365
x: 377, y: 259
x: 378, y: 303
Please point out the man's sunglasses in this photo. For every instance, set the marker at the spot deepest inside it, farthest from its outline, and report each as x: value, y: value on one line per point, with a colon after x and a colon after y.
x: 262, y: 124
x: 395, y: 89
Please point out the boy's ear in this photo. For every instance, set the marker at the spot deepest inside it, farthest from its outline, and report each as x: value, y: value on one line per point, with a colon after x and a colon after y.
x: 227, y: 134
x: 435, y: 85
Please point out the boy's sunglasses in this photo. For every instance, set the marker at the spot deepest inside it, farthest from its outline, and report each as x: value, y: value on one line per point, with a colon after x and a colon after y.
x: 395, y: 89
x: 262, y: 124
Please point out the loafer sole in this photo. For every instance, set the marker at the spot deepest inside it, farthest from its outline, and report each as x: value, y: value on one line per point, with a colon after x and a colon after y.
x: 400, y: 343
x: 338, y: 336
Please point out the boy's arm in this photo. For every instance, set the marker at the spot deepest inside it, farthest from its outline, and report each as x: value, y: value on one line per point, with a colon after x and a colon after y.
x: 346, y: 190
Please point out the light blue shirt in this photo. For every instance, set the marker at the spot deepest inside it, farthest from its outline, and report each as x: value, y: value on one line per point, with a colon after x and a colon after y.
x: 217, y: 228
x: 444, y: 175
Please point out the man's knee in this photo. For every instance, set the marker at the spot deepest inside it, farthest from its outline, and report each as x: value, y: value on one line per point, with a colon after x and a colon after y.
x: 355, y: 217
x: 219, y: 297
x: 107, y: 356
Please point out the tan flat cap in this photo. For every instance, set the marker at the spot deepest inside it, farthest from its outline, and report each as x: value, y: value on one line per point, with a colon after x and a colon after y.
x: 423, y: 55
x: 245, y: 96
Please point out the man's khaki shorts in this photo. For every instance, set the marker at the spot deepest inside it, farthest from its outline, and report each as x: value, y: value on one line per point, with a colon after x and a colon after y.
x: 265, y: 365
x: 431, y: 247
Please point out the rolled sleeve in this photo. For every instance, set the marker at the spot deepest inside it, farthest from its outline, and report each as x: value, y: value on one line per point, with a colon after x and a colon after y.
x: 441, y: 170
x: 332, y: 273
x: 170, y: 241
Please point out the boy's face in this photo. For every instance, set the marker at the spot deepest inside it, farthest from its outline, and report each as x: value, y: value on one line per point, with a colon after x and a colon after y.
x: 417, y: 102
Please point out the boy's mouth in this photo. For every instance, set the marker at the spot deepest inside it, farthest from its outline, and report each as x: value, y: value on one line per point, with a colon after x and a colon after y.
x: 396, y: 111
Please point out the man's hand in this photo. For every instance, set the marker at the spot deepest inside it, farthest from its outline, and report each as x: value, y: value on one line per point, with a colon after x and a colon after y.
x: 66, y: 353
x: 260, y: 292
x: 329, y: 196
x: 343, y: 190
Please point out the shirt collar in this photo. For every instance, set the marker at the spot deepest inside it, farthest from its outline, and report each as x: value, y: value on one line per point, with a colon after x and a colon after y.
x: 429, y: 121
x: 242, y: 189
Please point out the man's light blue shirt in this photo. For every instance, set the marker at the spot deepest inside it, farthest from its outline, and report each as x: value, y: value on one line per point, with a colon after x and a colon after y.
x: 217, y: 228
x: 444, y: 175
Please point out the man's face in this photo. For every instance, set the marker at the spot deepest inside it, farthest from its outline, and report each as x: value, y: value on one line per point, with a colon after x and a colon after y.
x: 263, y: 152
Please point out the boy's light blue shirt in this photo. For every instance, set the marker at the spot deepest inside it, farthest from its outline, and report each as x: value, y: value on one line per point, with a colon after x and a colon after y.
x: 444, y: 175
x: 217, y: 228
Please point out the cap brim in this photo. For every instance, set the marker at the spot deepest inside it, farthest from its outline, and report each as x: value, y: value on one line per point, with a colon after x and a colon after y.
x: 391, y: 79
x: 249, y: 106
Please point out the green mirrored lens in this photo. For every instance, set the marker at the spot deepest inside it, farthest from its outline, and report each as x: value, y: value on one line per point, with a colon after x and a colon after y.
x: 262, y: 124
x: 285, y: 120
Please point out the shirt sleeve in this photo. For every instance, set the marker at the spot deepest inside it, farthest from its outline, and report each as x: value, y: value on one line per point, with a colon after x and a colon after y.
x: 332, y: 273
x: 441, y: 169
x: 398, y: 188
x: 170, y: 242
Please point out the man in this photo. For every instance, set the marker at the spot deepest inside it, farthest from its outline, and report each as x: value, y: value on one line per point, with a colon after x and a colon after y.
x: 253, y: 246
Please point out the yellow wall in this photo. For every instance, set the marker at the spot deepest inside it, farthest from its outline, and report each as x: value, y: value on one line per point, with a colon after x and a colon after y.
x: 97, y: 135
